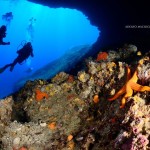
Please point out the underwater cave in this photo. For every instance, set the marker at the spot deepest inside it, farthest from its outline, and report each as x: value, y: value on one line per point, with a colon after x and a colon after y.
x: 60, y: 37
x: 74, y: 75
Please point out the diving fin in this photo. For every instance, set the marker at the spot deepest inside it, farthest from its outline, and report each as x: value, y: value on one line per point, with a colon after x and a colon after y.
x: 4, y: 68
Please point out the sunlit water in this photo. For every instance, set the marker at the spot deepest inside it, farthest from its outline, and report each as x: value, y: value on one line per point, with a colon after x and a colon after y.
x: 52, y: 33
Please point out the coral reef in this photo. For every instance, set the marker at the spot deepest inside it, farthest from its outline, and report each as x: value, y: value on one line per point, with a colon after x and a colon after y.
x: 72, y: 112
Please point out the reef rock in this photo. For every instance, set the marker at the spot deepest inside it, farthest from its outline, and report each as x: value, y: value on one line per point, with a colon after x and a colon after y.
x: 64, y: 63
x: 75, y: 112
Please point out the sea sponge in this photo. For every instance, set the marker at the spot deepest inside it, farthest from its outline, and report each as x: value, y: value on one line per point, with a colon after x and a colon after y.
x: 40, y: 95
x: 102, y: 56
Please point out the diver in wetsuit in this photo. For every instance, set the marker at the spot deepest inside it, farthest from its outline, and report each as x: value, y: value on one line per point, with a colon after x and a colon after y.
x: 23, y: 54
x: 7, y: 18
x: 3, y: 35
x: 30, y: 29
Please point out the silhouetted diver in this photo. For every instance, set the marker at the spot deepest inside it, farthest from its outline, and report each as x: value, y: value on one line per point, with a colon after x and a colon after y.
x: 23, y: 54
x: 3, y: 29
x: 7, y: 18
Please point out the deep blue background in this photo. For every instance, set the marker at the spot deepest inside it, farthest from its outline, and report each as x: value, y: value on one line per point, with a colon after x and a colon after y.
x: 54, y: 32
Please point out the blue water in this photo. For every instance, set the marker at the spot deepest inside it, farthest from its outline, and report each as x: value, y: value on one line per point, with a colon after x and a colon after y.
x: 53, y: 32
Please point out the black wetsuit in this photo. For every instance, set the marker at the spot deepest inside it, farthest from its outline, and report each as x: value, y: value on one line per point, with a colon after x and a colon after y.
x: 3, y: 35
x: 23, y: 54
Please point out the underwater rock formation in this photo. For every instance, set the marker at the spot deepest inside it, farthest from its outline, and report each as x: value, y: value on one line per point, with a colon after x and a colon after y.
x: 72, y: 112
x: 113, y: 18
x: 64, y: 63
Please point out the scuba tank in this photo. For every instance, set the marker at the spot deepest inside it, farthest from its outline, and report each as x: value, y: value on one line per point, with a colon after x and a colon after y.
x: 22, y: 44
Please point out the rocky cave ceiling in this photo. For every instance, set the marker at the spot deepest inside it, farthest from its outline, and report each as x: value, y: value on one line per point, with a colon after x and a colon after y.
x: 112, y: 17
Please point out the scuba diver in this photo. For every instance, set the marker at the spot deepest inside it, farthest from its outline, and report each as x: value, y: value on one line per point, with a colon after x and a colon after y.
x: 30, y: 29
x: 3, y: 35
x: 7, y: 18
x: 23, y: 54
